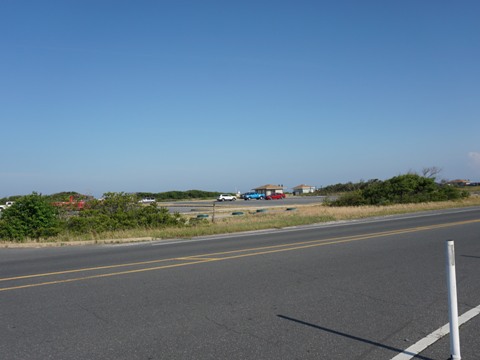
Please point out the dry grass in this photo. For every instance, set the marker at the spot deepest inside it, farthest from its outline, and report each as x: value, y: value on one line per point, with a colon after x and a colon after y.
x: 275, y: 217
x: 347, y: 213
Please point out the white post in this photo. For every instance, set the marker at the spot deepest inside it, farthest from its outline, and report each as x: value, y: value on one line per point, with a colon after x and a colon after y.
x: 452, y: 302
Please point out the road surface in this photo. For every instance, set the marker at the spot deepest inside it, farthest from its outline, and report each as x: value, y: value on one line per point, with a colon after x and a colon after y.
x: 352, y: 290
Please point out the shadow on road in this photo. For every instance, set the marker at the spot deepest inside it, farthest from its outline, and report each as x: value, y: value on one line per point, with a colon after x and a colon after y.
x: 356, y: 338
x: 471, y: 256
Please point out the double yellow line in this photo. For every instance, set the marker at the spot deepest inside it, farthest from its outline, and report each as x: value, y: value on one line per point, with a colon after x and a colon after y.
x: 144, y: 266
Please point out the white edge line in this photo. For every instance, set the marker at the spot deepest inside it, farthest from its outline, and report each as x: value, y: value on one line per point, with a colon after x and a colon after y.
x: 422, y: 344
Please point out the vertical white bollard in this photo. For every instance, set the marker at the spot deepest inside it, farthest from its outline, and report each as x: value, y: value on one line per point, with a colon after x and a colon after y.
x: 452, y: 301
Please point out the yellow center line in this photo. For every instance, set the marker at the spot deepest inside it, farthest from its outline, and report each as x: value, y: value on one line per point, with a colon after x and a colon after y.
x: 218, y: 256
x: 162, y: 260
x: 196, y: 258
x: 102, y: 275
x: 83, y: 270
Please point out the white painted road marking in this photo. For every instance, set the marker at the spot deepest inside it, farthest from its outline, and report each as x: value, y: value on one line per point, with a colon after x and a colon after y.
x: 422, y: 344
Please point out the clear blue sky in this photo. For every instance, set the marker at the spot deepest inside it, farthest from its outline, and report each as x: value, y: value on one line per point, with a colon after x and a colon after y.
x: 99, y: 96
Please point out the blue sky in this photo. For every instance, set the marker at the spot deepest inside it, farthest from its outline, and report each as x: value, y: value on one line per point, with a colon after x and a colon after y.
x: 99, y: 96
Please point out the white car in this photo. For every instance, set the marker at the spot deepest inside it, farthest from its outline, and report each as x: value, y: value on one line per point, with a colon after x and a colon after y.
x: 147, y: 201
x: 226, y: 197
x: 7, y: 205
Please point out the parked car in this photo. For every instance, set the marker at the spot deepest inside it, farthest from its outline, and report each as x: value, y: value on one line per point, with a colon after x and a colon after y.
x: 253, y: 195
x: 7, y: 205
x: 226, y: 197
x: 147, y: 200
x: 276, y: 196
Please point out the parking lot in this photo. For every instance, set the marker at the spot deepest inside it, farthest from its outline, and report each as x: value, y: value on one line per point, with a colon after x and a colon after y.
x: 208, y: 205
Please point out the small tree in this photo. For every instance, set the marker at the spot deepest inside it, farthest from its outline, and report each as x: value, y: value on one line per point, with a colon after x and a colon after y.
x: 431, y: 172
x: 31, y: 216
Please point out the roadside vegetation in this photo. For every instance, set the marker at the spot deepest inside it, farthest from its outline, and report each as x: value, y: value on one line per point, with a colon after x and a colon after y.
x: 120, y: 216
x: 31, y: 217
x: 35, y: 217
x: 402, y: 189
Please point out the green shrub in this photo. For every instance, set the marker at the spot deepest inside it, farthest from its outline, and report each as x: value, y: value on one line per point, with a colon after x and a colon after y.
x: 352, y: 198
x: 402, y: 189
x: 31, y: 216
x: 120, y: 211
x: 345, y: 187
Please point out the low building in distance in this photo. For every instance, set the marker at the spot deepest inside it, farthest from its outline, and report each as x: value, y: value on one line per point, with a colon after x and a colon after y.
x: 303, y: 189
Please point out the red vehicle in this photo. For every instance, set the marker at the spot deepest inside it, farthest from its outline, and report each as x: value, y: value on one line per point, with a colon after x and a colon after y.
x: 276, y: 196
x: 73, y: 204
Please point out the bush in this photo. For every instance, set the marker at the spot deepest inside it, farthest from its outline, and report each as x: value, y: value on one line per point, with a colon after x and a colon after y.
x: 120, y: 211
x: 402, y: 189
x: 31, y: 216
x: 346, y: 187
x: 353, y: 198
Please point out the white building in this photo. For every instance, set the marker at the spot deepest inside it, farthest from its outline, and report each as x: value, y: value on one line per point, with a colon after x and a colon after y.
x: 303, y: 189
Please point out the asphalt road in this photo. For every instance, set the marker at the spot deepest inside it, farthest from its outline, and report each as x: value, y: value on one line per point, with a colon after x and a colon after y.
x: 353, y: 290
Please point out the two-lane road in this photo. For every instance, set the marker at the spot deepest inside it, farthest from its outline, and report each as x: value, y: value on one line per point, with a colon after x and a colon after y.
x: 354, y: 290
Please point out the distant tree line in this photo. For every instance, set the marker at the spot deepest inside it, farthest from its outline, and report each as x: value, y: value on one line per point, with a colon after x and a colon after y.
x: 160, y: 196
x: 179, y: 195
